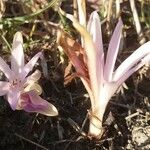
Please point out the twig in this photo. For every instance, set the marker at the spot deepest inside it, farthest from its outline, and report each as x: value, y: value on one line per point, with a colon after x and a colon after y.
x: 121, y: 105
x: 85, y: 120
x: 26, y: 18
x: 137, y: 22
x: 4, y: 39
x: 76, y: 127
x: 82, y: 15
x: 132, y: 115
x: 117, y: 8
x: 34, y: 143
x: 75, y: 14
x: 82, y: 12
x: 109, y: 12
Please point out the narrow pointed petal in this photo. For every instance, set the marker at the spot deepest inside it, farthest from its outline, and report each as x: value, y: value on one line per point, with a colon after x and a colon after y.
x: 4, y: 88
x: 90, y: 52
x: 29, y: 66
x: 5, y: 69
x: 142, y: 62
x: 113, y: 52
x: 17, y: 54
x: 13, y: 97
x: 132, y: 60
x: 31, y: 102
x: 94, y: 28
x: 34, y: 77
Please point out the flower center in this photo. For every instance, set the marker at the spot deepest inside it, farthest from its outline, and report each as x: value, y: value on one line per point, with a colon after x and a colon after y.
x: 16, y: 83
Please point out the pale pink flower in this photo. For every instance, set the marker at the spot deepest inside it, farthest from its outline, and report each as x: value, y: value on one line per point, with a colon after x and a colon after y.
x: 104, y: 79
x: 23, y: 91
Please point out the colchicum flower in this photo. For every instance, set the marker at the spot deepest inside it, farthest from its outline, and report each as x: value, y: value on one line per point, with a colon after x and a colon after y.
x: 23, y: 91
x: 103, y: 79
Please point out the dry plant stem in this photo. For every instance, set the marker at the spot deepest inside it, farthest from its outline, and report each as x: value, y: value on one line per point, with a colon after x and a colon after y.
x: 75, y: 14
x: 137, y: 22
x: 2, y: 8
x: 82, y: 12
x: 34, y: 143
x: 117, y: 8
x: 109, y: 12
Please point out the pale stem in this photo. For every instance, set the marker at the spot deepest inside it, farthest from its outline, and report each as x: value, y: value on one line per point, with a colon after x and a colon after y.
x: 136, y: 21
x: 75, y: 6
x: 82, y: 15
x: 117, y: 8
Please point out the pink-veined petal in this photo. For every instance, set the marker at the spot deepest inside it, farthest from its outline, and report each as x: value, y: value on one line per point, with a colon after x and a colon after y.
x: 142, y: 62
x: 13, y: 97
x: 94, y: 27
x: 112, y: 52
x: 5, y: 69
x: 91, y: 55
x: 31, y: 102
x: 17, y: 54
x: 4, y: 87
x: 132, y: 60
x: 29, y: 66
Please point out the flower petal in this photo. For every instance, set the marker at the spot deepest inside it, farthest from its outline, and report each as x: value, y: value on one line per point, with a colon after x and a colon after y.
x: 5, y: 69
x: 91, y: 54
x: 34, y: 86
x: 31, y: 102
x: 112, y: 52
x: 29, y: 66
x: 94, y: 28
x: 34, y: 77
x: 17, y: 54
x: 132, y: 60
x: 13, y: 97
x: 4, y: 88
x: 143, y: 61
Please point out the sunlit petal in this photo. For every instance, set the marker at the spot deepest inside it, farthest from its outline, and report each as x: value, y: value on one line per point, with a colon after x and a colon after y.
x: 90, y: 52
x: 4, y: 87
x: 132, y: 60
x: 94, y: 28
x: 142, y: 62
x: 5, y: 69
x: 34, y: 86
x: 112, y: 52
x: 13, y: 97
x: 29, y: 66
x: 34, y: 77
x: 17, y: 54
